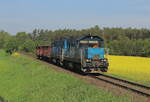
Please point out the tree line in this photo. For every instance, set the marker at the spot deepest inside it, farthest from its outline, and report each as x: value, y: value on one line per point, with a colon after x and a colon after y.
x: 119, y: 41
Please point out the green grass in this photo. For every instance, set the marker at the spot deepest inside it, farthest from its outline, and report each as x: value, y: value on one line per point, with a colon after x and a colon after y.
x: 25, y: 80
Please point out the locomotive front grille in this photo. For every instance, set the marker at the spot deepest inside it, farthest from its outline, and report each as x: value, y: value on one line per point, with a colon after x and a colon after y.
x: 96, y: 63
x: 96, y: 57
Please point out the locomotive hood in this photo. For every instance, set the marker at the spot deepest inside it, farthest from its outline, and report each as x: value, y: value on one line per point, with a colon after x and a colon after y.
x: 95, y: 53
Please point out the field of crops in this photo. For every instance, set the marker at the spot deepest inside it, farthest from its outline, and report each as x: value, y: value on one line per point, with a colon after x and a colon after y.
x: 131, y: 68
x: 26, y: 80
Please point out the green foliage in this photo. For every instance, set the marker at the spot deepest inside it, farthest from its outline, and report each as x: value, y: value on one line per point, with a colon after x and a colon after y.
x: 4, y: 38
x: 28, y: 46
x: 146, y: 47
x: 129, y: 41
x: 11, y: 45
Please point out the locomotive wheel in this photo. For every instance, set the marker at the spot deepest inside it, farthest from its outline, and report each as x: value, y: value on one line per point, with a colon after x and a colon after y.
x: 65, y: 64
x: 77, y: 68
x: 38, y: 57
x: 58, y: 63
x: 104, y: 69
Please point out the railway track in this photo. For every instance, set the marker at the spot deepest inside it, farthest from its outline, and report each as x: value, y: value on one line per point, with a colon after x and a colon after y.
x: 134, y: 87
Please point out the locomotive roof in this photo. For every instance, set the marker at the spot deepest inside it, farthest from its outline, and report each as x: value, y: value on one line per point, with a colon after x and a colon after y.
x: 75, y: 38
x: 87, y: 37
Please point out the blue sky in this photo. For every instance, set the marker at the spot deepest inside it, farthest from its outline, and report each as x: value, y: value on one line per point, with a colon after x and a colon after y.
x: 25, y: 15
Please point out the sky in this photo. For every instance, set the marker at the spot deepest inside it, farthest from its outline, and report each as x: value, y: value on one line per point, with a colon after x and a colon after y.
x: 26, y: 15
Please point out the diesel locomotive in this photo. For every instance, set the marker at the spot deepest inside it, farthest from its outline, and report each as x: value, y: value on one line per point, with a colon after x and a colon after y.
x: 86, y: 53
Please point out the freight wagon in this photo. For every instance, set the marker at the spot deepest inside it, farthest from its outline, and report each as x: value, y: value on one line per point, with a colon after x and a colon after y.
x: 43, y: 52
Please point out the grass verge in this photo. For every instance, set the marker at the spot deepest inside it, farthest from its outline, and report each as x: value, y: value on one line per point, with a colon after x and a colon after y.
x: 25, y: 80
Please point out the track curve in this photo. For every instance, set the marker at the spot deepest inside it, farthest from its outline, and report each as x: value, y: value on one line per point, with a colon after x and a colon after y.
x: 132, y: 86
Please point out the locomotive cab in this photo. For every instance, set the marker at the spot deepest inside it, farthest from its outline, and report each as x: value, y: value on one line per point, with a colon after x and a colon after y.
x: 92, y: 54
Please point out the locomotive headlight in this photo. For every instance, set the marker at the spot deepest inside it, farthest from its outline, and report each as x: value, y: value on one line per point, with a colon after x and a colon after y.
x: 88, y: 60
x: 104, y: 60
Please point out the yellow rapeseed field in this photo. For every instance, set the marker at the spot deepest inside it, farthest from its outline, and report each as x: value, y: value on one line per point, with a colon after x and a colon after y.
x: 131, y: 68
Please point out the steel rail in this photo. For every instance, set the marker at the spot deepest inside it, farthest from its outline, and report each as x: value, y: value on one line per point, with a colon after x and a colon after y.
x: 126, y: 81
x: 123, y: 86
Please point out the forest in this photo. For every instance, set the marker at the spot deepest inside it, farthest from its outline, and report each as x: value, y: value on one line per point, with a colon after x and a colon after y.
x: 118, y: 41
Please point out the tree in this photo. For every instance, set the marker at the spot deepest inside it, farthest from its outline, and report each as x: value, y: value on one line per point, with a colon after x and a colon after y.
x: 29, y: 46
x: 4, y: 37
x: 11, y: 45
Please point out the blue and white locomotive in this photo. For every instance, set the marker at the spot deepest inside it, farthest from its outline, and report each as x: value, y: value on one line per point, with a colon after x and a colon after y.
x: 80, y: 53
